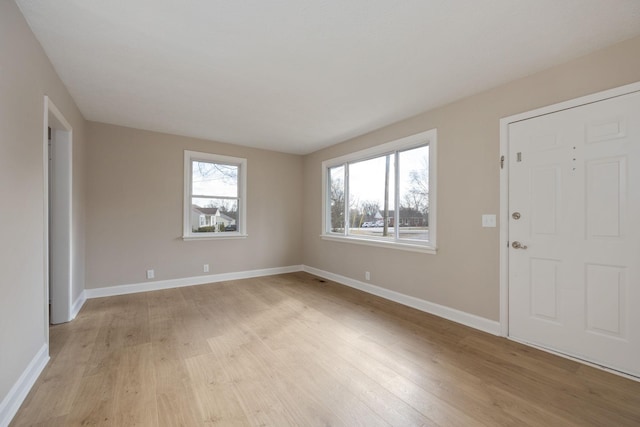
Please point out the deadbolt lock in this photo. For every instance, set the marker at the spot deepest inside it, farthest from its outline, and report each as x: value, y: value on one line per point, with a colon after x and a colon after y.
x: 515, y: 215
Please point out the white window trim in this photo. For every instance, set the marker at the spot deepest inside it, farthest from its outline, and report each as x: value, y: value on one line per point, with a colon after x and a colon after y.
x: 241, y: 222
x: 428, y: 137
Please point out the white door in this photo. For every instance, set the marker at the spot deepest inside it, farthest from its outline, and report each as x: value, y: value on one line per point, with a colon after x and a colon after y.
x: 60, y: 226
x: 574, y: 282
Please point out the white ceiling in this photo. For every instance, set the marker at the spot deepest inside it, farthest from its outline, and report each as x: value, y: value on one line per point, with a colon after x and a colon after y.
x: 300, y: 75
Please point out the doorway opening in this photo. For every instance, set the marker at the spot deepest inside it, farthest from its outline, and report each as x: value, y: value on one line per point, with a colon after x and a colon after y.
x: 58, y: 142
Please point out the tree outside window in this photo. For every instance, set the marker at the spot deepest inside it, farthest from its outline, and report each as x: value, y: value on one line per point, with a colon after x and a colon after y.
x: 382, y: 197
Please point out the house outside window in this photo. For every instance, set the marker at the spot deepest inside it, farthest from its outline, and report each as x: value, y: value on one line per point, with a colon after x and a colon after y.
x: 383, y: 196
x: 214, y: 196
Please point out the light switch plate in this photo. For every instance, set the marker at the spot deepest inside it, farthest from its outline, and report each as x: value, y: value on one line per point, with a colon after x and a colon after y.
x: 488, y: 220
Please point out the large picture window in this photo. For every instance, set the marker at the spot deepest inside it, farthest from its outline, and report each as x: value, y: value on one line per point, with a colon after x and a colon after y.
x: 384, y: 195
x: 215, y: 200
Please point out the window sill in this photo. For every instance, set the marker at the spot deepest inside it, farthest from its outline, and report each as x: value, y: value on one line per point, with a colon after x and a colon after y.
x: 217, y: 237
x: 382, y: 244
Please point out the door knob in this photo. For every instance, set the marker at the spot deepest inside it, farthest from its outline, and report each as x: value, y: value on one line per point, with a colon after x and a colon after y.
x: 518, y: 245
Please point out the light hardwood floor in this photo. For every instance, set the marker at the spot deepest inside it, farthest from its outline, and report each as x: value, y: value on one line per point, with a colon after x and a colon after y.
x: 296, y: 350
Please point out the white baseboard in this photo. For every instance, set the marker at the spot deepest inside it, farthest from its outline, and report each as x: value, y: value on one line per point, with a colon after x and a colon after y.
x: 187, y: 281
x: 467, y: 319
x: 477, y: 322
x: 77, y: 304
x: 11, y: 403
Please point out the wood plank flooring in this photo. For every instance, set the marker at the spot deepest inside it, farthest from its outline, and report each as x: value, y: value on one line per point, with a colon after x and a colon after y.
x: 295, y: 350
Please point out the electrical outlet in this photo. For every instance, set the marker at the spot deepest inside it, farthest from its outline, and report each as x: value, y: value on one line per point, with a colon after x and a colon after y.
x: 367, y: 275
x: 206, y: 268
x: 150, y: 274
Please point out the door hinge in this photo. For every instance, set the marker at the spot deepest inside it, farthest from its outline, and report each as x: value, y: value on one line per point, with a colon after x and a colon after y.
x: 501, y: 162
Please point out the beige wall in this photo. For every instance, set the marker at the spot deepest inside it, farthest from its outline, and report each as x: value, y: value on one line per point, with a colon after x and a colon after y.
x: 464, y: 273
x: 134, y: 209
x: 26, y: 75
x: 131, y: 183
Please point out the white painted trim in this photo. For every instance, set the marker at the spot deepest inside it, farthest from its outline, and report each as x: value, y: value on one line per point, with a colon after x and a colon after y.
x: 572, y: 103
x: 429, y: 138
x: 241, y: 221
x: 426, y: 249
x: 433, y: 189
x: 59, y: 124
x: 452, y: 314
x: 78, y: 303
x: 187, y: 281
x: 45, y: 236
x: 53, y: 109
x: 467, y: 319
x: 504, y: 229
x: 10, y: 405
x: 216, y: 236
x: 407, y: 142
x: 12, y: 401
x: 504, y: 180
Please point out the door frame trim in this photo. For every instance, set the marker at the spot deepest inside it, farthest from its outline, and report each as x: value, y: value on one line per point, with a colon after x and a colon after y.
x: 504, y: 180
x: 55, y: 119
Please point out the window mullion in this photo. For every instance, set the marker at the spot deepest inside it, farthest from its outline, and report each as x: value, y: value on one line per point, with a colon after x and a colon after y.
x: 405, y: 189
x: 396, y: 195
x: 346, y: 199
x: 327, y: 197
x: 190, y: 178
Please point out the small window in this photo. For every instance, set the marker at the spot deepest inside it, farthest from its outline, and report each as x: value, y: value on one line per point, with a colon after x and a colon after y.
x: 384, y: 195
x: 215, y: 196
